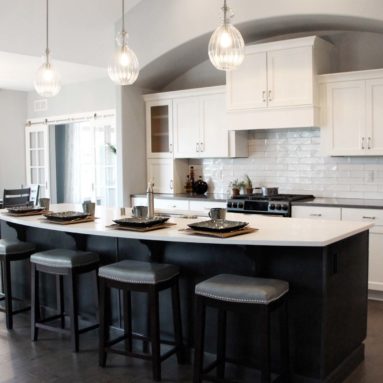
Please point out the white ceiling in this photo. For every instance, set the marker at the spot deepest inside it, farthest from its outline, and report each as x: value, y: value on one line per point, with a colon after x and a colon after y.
x: 81, y: 38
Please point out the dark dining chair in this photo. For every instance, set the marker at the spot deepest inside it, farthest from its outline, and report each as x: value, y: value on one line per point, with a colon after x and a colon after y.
x: 34, y: 195
x: 16, y: 197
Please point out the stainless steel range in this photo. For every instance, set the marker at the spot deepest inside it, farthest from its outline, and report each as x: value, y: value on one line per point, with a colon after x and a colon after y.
x: 279, y: 204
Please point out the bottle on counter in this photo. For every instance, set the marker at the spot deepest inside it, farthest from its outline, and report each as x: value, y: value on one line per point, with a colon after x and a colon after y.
x: 150, y: 197
x: 192, y: 180
x: 188, y: 185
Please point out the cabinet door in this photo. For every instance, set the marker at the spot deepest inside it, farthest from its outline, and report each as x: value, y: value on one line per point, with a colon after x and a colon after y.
x: 290, y: 77
x: 316, y: 212
x: 374, y: 102
x: 186, y: 120
x: 247, y: 85
x: 159, y: 137
x: 345, y: 118
x: 214, y: 136
x: 160, y: 171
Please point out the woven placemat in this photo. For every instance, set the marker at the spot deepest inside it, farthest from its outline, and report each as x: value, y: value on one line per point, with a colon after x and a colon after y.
x: 73, y: 221
x: 245, y: 230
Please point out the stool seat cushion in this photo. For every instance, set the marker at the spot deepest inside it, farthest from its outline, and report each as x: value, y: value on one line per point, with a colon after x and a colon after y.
x: 241, y: 289
x: 15, y: 247
x: 64, y: 258
x: 138, y: 272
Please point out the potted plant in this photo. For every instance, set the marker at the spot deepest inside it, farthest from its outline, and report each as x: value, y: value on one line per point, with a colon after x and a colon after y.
x: 236, y: 186
x: 248, y: 184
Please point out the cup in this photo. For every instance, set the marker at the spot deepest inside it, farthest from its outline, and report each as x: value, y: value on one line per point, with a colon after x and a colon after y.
x: 89, y: 207
x: 140, y: 211
x: 44, y: 202
x: 217, y: 213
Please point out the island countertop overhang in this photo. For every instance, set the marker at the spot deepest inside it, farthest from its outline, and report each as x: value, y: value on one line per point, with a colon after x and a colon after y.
x: 272, y: 231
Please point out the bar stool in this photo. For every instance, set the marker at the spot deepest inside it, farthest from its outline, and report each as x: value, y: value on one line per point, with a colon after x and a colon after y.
x: 150, y: 278
x: 62, y: 262
x: 229, y: 292
x: 11, y: 251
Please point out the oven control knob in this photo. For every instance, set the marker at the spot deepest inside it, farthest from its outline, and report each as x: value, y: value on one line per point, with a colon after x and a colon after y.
x: 229, y: 204
x: 278, y: 207
x: 271, y: 206
x: 285, y: 207
x: 240, y: 205
x: 235, y: 204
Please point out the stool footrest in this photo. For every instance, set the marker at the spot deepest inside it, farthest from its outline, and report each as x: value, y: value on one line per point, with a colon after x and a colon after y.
x: 89, y: 328
x: 52, y: 328
x: 210, y: 367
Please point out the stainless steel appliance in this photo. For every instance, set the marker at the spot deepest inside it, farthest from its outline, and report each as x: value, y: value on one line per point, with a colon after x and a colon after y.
x: 279, y: 204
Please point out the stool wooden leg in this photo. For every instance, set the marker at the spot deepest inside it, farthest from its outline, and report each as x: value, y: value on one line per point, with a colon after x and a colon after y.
x: 127, y: 304
x: 60, y: 298
x: 104, y: 329
x: 199, y: 339
x: 155, y: 334
x: 35, y: 315
x: 177, y: 322
x: 265, y: 344
x: 73, y: 311
x: 284, y: 334
x: 96, y: 294
x: 221, y: 343
x: 8, y: 294
x: 145, y: 342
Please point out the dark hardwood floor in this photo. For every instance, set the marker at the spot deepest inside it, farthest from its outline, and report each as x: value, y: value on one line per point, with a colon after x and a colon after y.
x: 51, y: 360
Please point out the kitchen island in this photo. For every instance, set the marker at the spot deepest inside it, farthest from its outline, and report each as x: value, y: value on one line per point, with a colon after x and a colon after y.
x: 325, y: 263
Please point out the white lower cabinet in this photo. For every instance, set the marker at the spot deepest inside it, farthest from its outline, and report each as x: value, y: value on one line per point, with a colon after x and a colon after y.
x: 171, y: 204
x: 375, y: 269
x: 205, y: 206
x: 316, y: 212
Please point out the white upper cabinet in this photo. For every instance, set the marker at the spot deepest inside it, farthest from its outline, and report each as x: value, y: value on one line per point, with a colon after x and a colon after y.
x: 276, y: 86
x: 352, y: 115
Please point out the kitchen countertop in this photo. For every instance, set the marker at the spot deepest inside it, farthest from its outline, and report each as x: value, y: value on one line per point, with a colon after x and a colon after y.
x: 343, y: 202
x: 272, y: 231
x: 187, y: 196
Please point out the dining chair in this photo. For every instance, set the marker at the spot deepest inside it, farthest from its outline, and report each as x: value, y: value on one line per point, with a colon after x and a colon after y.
x: 16, y: 197
x: 34, y: 195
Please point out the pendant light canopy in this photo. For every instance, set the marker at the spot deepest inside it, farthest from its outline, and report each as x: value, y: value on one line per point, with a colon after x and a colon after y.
x: 47, y: 81
x: 124, y: 68
x: 226, y: 45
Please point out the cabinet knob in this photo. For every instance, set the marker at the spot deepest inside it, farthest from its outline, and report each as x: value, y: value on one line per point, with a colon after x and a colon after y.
x: 362, y: 143
x: 315, y: 215
x: 264, y: 96
x: 202, y: 148
x: 367, y: 217
x: 170, y: 148
x: 369, y: 143
x: 270, y: 96
x: 171, y: 184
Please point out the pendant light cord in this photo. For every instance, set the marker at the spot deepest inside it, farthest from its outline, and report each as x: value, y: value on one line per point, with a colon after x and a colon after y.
x: 123, y: 16
x: 47, y: 29
x: 224, y: 12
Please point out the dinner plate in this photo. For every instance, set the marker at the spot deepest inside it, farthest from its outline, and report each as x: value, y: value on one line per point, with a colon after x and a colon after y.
x: 65, y: 215
x: 24, y: 209
x: 218, y: 226
x: 141, y: 221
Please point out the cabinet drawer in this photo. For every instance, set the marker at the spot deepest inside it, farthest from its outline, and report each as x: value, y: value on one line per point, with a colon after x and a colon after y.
x: 205, y: 206
x: 160, y: 203
x: 370, y: 215
x: 316, y: 212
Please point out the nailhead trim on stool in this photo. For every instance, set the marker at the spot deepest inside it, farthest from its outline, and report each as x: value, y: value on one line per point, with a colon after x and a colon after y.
x: 228, y: 292
x: 69, y: 263
x: 11, y: 251
x: 151, y: 278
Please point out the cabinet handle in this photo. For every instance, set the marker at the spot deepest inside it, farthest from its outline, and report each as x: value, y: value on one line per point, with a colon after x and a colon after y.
x: 197, y: 147
x: 264, y: 96
x: 270, y: 95
x: 202, y: 147
x: 366, y: 217
x: 363, y: 143
x: 171, y: 184
x: 315, y: 215
x: 170, y: 148
x: 369, y: 143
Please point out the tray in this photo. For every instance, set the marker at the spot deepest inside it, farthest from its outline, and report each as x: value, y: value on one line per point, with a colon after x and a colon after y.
x: 142, y: 229
x: 244, y: 230
x: 217, y: 226
x: 140, y: 222
x: 70, y: 222
x: 24, y: 209
x: 28, y: 213
x: 65, y: 216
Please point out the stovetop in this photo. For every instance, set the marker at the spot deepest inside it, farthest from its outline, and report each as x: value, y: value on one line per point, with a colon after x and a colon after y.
x: 277, y: 197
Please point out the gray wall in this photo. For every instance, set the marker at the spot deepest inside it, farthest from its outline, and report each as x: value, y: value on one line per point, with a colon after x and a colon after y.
x: 13, y: 112
x: 77, y: 98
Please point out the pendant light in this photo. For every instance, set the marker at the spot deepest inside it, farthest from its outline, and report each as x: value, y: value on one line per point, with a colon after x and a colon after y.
x: 125, y: 68
x: 47, y: 81
x: 226, y: 45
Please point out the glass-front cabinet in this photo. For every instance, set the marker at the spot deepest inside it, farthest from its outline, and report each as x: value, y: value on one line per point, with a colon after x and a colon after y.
x: 159, y: 129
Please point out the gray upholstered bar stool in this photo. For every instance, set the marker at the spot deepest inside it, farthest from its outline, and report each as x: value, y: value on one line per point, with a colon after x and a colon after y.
x: 11, y: 251
x: 146, y: 277
x: 228, y: 292
x: 69, y: 263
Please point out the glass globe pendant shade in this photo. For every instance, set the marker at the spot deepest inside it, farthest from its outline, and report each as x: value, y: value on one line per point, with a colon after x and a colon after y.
x: 226, y: 47
x: 47, y: 80
x: 124, y: 68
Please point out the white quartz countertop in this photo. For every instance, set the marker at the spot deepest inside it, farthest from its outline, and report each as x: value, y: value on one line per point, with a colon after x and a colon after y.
x: 272, y: 231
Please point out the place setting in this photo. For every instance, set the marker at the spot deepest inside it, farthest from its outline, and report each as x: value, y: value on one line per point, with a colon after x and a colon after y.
x: 139, y: 221
x: 218, y: 226
x: 29, y: 209
x: 70, y: 217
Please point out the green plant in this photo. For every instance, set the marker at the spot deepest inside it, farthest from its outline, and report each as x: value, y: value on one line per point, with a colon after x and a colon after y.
x: 236, y: 184
x: 247, y: 181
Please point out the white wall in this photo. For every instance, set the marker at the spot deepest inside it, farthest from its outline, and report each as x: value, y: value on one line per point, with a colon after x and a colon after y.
x: 77, y: 98
x: 13, y: 112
